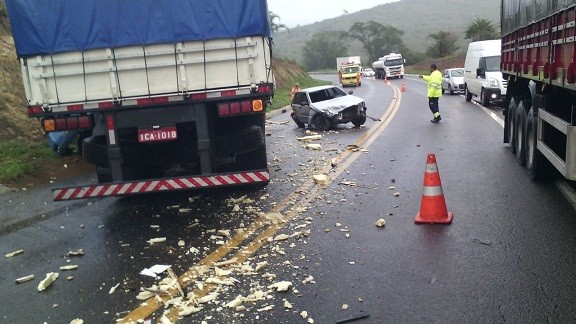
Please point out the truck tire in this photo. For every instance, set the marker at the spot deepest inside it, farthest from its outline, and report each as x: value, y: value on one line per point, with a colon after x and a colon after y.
x: 94, y: 151
x: 511, y: 118
x: 536, y: 164
x: 521, y: 117
x: 467, y: 94
x: 243, y: 141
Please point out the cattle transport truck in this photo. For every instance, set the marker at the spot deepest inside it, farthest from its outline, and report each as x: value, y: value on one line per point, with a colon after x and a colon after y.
x: 168, y: 94
x: 538, y: 60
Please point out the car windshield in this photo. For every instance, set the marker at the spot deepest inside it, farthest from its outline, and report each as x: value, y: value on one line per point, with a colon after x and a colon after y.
x: 326, y: 94
x: 350, y: 69
x: 493, y: 63
x: 392, y: 62
x: 457, y: 73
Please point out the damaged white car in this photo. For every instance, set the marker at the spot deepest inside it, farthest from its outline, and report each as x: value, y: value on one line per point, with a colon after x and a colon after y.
x: 325, y: 107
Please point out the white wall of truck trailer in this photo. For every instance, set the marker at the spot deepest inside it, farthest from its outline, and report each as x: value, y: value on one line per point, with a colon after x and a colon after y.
x: 538, y: 46
x: 166, y: 102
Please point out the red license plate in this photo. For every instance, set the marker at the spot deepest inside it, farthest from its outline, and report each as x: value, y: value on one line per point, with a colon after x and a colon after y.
x: 157, y: 134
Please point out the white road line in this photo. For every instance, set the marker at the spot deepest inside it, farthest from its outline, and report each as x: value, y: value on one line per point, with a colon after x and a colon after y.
x: 561, y: 184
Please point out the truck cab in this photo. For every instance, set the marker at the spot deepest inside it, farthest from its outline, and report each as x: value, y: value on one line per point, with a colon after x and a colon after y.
x: 350, y: 75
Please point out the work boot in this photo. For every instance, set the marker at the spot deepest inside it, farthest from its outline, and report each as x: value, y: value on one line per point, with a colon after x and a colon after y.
x: 436, y: 119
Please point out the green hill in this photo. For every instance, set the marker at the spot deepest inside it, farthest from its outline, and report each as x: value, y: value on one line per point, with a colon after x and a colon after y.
x: 417, y: 18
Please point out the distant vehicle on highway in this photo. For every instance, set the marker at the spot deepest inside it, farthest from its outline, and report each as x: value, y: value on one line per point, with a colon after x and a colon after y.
x: 325, y: 107
x: 368, y: 72
x: 453, y: 80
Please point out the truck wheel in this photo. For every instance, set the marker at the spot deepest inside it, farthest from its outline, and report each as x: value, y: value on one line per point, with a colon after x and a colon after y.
x: 484, y: 98
x: 537, y: 165
x: 512, y: 107
x: 467, y: 94
x: 521, y: 117
x: 239, y: 142
x: 94, y: 151
x: 359, y: 121
x: 320, y: 123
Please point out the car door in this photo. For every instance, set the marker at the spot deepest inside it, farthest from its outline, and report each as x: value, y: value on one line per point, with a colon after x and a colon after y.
x: 301, y: 106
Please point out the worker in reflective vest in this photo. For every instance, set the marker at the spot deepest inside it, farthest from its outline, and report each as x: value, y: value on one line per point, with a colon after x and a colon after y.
x: 434, y: 91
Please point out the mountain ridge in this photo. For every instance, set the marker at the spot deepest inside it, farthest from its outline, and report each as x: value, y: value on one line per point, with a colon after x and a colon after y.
x: 432, y: 16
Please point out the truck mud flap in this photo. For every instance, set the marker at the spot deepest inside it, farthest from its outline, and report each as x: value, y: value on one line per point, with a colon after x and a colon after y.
x: 261, y: 177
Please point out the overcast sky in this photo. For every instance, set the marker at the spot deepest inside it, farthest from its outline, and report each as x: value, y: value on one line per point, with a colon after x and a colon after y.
x: 304, y: 12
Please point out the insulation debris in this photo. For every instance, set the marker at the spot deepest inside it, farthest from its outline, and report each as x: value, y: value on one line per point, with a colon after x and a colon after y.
x: 281, y: 237
x: 314, y: 147
x: 78, y: 252
x: 381, y: 222
x: 24, y: 279
x: 15, y: 253
x: 156, y: 240
x: 287, y: 304
x: 281, y: 286
x: 155, y: 270
x: 320, y: 179
x: 50, y: 277
x: 113, y: 289
x: 69, y: 267
x: 77, y: 321
x: 310, y: 138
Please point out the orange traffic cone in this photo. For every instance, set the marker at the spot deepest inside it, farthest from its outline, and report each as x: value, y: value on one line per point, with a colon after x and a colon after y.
x: 433, y: 207
x: 403, y: 87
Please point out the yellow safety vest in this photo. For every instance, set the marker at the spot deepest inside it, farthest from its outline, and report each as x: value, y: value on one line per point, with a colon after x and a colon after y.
x: 434, y: 84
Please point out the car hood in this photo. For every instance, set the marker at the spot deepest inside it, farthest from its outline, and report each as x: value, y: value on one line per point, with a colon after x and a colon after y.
x: 335, y: 106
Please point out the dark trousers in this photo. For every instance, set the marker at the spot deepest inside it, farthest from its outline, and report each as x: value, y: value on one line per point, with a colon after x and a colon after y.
x: 433, y: 104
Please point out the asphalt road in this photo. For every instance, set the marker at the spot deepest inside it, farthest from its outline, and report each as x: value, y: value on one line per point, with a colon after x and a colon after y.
x: 508, y: 256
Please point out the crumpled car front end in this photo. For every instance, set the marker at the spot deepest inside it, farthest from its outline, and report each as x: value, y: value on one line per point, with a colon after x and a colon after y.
x: 341, y: 109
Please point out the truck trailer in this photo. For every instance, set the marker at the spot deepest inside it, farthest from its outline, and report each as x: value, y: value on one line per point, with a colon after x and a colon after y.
x: 538, y: 60
x: 166, y: 94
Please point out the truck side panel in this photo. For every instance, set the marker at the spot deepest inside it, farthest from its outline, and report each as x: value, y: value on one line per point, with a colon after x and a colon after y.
x: 132, y: 72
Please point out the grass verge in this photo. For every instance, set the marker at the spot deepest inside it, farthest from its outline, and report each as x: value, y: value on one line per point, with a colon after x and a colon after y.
x: 17, y: 158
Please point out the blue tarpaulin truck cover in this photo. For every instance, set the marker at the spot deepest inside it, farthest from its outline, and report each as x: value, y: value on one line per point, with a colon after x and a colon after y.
x: 44, y: 27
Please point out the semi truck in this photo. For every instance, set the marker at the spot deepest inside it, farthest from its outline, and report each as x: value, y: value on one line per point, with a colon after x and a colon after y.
x: 349, y: 71
x: 389, y: 66
x: 538, y: 61
x: 166, y: 95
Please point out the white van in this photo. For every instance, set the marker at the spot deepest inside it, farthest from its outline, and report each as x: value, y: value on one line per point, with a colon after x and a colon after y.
x: 482, y: 76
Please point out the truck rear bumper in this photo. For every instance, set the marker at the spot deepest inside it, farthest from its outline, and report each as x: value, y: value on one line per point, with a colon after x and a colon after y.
x: 118, y: 189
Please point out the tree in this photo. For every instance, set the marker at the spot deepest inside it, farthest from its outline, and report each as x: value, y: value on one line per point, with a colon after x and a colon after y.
x: 376, y: 38
x: 445, y: 44
x: 481, y: 29
x: 274, y: 27
x: 321, y: 51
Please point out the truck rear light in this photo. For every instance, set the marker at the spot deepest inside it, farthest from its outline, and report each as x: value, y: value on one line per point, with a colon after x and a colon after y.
x: 228, y: 93
x: 84, y: 122
x: 235, y: 108
x: 223, y: 109
x: 74, y: 107
x: 49, y: 125
x: 199, y: 96
x: 246, y: 106
x: 60, y: 123
x: 257, y: 105
x: 72, y: 123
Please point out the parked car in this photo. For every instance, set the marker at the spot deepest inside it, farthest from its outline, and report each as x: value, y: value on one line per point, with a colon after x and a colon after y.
x: 368, y: 72
x: 325, y: 107
x: 453, y: 80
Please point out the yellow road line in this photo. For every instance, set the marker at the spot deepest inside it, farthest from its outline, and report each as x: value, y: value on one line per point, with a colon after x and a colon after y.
x: 263, y: 225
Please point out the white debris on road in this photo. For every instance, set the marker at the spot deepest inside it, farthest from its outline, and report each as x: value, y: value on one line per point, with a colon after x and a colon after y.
x: 24, y: 279
x: 15, y: 253
x: 50, y: 277
x: 281, y: 286
x: 381, y: 222
x: 69, y: 267
x: 156, y: 240
x: 113, y: 289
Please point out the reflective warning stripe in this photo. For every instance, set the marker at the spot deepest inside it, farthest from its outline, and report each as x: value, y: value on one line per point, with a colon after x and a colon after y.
x: 136, y: 187
x: 432, y: 191
x: 431, y: 168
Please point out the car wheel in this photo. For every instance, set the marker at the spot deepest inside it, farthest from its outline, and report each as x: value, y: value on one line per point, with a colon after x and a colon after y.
x: 467, y: 94
x: 320, y: 123
x: 450, y: 90
x: 443, y: 90
x: 484, y: 98
x: 521, y: 117
x: 359, y: 121
x: 512, y: 125
x: 297, y: 121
